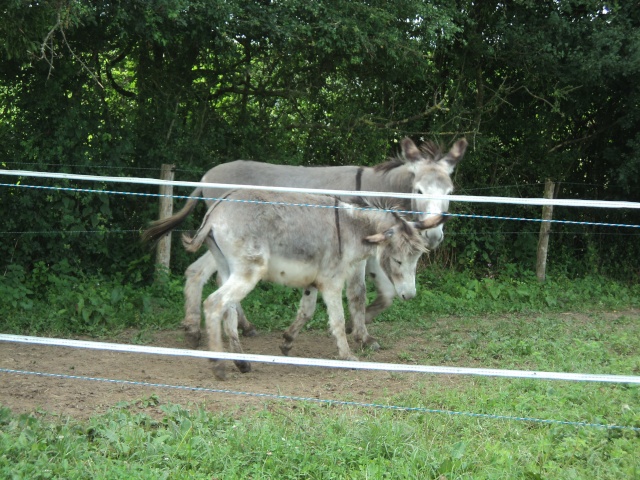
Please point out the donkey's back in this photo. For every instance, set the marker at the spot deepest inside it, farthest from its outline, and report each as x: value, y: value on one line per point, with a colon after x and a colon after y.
x: 248, y: 172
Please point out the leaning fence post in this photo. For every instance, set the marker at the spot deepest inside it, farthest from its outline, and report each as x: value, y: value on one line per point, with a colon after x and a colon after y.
x: 545, y: 228
x: 163, y: 252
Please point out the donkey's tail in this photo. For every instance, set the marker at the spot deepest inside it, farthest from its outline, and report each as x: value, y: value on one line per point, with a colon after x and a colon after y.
x: 160, y: 227
x: 193, y: 243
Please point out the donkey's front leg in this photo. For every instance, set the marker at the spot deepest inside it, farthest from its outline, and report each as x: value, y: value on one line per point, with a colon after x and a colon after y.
x: 305, y: 312
x: 333, y: 299
x: 357, y: 298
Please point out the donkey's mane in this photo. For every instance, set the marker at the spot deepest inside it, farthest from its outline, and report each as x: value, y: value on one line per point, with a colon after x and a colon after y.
x: 431, y: 150
x: 412, y: 241
x: 380, y: 203
x: 389, y: 165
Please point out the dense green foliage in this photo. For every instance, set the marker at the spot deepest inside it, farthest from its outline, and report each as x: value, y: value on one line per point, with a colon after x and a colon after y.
x: 540, y: 89
x: 152, y: 438
x: 52, y: 301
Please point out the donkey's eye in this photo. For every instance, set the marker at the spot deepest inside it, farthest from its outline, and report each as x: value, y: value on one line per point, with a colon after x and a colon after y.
x: 418, y: 190
x: 398, y: 262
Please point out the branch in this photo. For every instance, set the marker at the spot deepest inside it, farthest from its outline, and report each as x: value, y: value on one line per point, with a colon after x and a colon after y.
x: 539, y: 98
x: 84, y: 65
x: 122, y: 91
x: 437, y: 107
x: 258, y: 92
x: 576, y: 140
x: 47, y: 38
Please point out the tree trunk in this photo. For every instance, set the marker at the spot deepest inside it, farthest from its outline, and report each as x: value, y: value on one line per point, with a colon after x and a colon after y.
x: 163, y: 252
x: 545, y: 228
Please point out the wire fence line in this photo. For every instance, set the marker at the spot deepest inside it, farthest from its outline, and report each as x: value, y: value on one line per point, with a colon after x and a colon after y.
x: 344, y: 193
x: 626, y: 379
x: 484, y: 217
x: 198, y: 173
x: 178, y: 230
x: 273, y: 396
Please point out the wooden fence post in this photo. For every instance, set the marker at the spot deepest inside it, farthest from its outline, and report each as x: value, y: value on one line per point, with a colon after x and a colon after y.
x: 163, y: 252
x: 545, y: 228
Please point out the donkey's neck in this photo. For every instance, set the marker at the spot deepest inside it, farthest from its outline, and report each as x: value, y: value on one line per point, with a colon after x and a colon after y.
x: 399, y: 179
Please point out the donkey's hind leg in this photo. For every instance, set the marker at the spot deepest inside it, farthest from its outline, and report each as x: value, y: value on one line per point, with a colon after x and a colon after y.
x: 219, y: 307
x: 223, y: 303
x: 305, y: 312
x: 248, y: 329
x: 197, y: 274
x: 231, y: 329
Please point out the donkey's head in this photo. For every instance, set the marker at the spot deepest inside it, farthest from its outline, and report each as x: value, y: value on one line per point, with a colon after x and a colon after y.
x: 399, y: 249
x: 432, y: 177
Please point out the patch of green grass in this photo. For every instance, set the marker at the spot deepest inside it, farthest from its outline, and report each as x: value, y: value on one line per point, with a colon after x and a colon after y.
x: 313, y: 441
x: 446, y: 292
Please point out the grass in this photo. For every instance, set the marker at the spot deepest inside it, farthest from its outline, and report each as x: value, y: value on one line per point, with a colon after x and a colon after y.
x: 310, y: 441
x: 456, y: 320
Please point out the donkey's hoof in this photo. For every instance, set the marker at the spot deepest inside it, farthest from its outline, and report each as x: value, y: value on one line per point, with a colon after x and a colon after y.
x: 285, y: 350
x: 351, y: 358
x: 372, y: 344
x: 243, y: 366
x: 192, y: 337
x: 250, y: 332
x: 219, y: 370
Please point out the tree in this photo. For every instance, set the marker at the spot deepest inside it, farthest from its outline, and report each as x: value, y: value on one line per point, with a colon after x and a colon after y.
x: 541, y: 89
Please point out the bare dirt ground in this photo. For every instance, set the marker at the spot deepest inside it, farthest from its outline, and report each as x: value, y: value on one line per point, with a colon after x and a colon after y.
x: 83, y: 398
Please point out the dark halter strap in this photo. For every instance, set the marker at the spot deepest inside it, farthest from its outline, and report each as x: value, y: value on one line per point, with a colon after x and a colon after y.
x: 359, y: 179
x: 337, y: 213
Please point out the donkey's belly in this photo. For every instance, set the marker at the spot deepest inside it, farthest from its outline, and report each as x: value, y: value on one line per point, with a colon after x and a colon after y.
x: 290, y: 272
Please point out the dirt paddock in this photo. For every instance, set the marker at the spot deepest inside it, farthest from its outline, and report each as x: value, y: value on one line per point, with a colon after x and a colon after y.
x: 84, y: 398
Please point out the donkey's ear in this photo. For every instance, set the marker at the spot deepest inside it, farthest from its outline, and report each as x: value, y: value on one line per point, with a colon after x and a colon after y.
x: 410, y: 152
x: 379, y: 237
x: 451, y: 159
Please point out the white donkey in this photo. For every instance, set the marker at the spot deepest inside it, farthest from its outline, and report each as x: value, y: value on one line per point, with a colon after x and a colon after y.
x: 425, y: 170
x: 314, y: 248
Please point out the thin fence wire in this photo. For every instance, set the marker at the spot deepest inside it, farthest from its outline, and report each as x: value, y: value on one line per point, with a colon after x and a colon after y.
x: 198, y: 173
x: 272, y: 396
x: 177, y: 230
x: 343, y: 193
x: 409, y: 212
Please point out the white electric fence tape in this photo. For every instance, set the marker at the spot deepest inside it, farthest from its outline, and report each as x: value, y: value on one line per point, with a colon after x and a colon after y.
x: 317, y: 362
x: 344, y: 193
